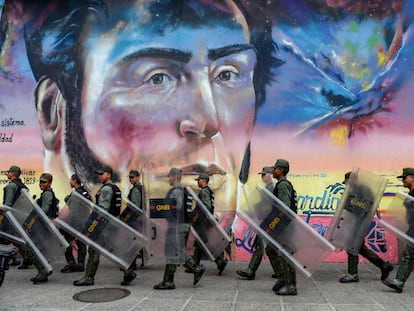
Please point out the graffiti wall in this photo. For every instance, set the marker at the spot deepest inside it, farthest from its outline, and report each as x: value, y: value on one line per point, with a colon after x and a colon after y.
x: 221, y: 87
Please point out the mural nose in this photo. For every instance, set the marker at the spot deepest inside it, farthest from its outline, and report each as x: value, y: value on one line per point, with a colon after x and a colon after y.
x: 191, y: 129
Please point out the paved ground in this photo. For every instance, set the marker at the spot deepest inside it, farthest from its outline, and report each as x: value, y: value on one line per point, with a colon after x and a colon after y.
x: 227, y: 292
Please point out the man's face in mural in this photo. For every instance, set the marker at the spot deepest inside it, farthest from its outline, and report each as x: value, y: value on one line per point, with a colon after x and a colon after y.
x: 184, y: 98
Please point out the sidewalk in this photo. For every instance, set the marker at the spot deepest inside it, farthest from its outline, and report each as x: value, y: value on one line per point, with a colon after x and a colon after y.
x: 226, y: 292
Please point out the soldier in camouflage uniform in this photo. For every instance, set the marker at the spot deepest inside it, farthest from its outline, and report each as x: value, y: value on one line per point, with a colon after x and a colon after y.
x: 286, y: 283
x: 206, y: 196
x: 385, y: 267
x: 177, y: 192
x: 407, y: 260
x: 256, y: 259
x: 109, y: 198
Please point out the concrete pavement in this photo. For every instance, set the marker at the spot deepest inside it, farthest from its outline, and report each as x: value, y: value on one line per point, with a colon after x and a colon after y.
x: 226, y: 292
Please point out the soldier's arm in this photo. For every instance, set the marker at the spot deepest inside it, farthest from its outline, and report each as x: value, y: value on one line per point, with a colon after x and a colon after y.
x: 285, y: 193
x: 204, y: 196
x: 105, y: 197
x: 136, y: 197
x: 47, y: 201
x: 9, y: 192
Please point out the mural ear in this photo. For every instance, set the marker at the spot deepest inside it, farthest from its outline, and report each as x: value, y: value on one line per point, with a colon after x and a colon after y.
x: 50, y: 108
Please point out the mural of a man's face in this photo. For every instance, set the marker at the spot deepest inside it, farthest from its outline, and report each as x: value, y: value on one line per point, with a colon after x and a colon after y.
x: 184, y: 98
x: 156, y: 95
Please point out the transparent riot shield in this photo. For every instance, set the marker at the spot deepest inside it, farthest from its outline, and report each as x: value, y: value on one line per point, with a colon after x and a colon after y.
x: 397, y: 216
x: 210, y: 234
x: 356, y: 210
x: 7, y: 231
x: 168, y: 233
x: 139, y: 220
x: 283, y: 230
x: 97, y: 228
x: 38, y: 231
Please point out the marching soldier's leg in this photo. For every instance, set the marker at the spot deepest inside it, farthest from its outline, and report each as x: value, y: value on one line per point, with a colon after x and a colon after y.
x: 198, y: 269
x: 70, y: 259
x: 404, y: 270
x: 168, y: 280
x: 42, y: 275
x: 352, y: 275
x: 221, y: 263
x: 277, y: 265
x: 129, y: 276
x: 255, y: 260
x: 385, y: 267
x: 81, y: 256
x: 288, y: 275
x: 25, y: 252
x: 91, y: 268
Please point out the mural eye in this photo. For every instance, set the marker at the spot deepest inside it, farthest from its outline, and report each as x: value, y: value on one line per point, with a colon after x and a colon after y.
x: 227, y: 75
x: 159, y: 79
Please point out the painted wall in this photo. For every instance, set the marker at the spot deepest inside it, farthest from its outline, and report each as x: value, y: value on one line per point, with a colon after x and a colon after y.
x: 194, y: 85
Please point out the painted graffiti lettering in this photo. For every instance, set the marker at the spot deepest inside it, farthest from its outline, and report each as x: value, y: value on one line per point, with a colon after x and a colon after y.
x: 329, y: 200
x: 4, y: 138
x: 11, y: 122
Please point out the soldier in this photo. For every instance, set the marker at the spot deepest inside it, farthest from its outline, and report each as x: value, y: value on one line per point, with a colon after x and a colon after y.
x: 50, y: 205
x: 255, y: 260
x: 352, y: 276
x: 109, y: 198
x: 10, y: 194
x: 206, y: 196
x: 286, y: 283
x: 177, y: 192
x: 407, y: 259
x: 136, y: 196
x: 71, y: 266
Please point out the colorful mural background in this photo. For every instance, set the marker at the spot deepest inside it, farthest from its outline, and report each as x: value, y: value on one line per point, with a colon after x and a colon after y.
x: 341, y: 99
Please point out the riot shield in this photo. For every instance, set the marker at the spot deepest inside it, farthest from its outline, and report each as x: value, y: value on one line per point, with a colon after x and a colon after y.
x: 283, y: 230
x: 356, y: 210
x: 28, y: 240
x: 395, y: 217
x: 210, y: 234
x: 97, y: 228
x: 139, y: 220
x: 32, y: 224
x: 168, y: 233
x: 7, y: 231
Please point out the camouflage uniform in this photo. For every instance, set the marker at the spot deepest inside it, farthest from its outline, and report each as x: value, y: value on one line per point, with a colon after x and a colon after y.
x: 177, y: 193
x: 286, y: 282
x: 407, y: 259
x: 206, y: 196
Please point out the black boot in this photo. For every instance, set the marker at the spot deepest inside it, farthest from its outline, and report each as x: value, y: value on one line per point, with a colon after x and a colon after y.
x: 129, y: 276
x: 41, y: 277
x: 198, y: 273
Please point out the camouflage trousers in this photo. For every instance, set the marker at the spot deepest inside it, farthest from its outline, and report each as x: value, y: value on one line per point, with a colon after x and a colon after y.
x: 406, y: 264
x: 368, y: 254
x: 281, y: 267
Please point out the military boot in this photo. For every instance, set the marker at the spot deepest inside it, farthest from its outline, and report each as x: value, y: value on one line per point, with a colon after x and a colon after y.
x: 246, y: 273
x: 88, y: 279
x: 349, y: 278
x: 198, y: 273
x: 41, y: 277
x: 168, y: 281
x: 129, y: 276
x: 394, y: 284
x: 221, y: 264
x: 70, y: 267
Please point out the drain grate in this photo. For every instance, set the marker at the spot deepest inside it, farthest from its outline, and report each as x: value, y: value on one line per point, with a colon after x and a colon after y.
x: 101, y: 295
